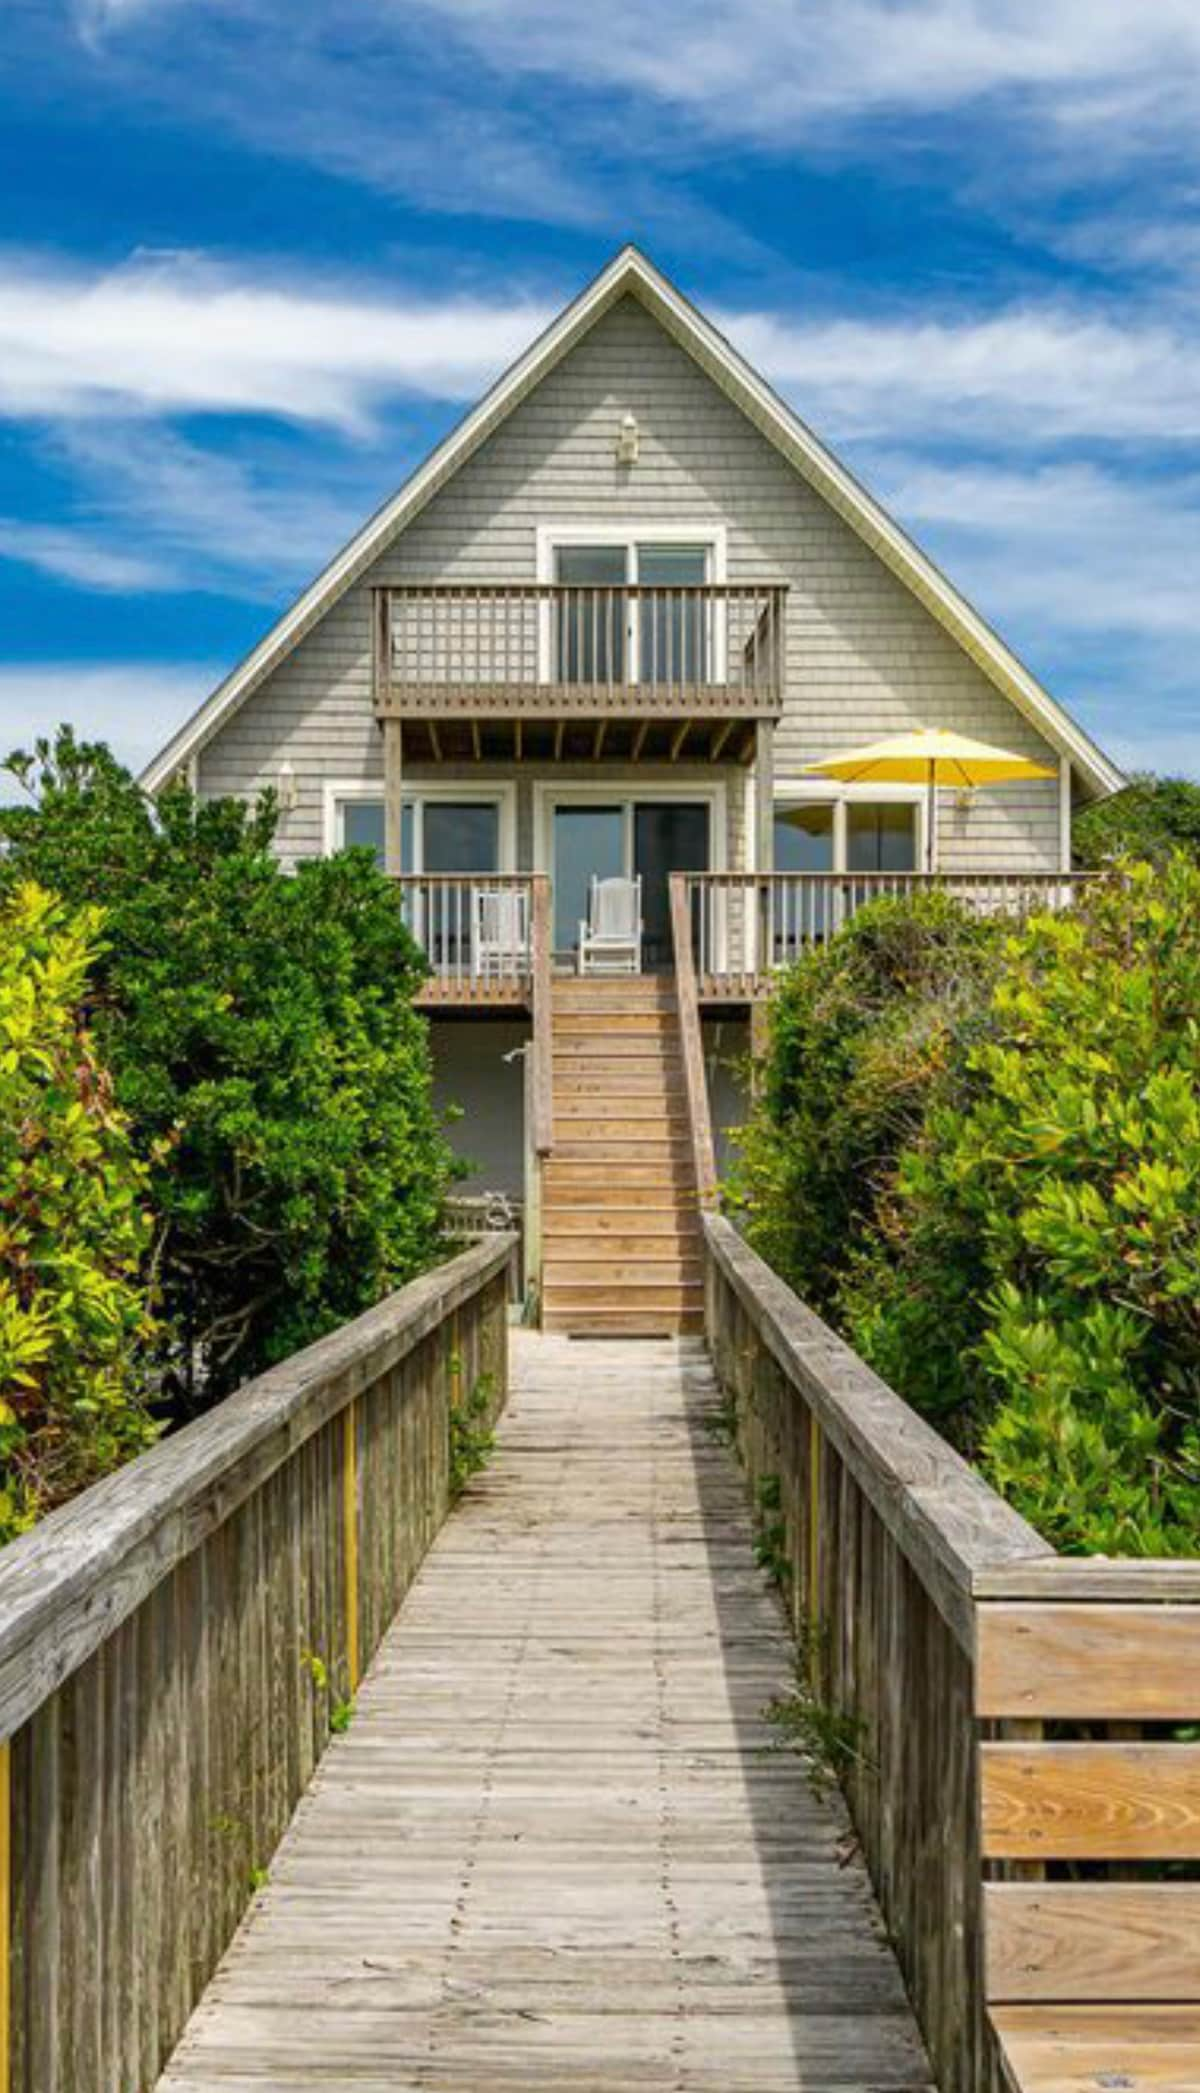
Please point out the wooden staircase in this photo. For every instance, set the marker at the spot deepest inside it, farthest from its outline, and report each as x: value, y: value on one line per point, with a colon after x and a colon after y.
x: 620, y: 1217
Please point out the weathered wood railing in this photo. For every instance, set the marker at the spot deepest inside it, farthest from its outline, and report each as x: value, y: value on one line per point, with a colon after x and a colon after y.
x: 492, y: 648
x: 942, y: 1633
x: 746, y: 925
x: 173, y: 1646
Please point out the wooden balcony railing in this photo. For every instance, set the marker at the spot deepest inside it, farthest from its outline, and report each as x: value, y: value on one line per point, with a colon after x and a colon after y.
x: 503, y: 650
x: 486, y: 936
x: 745, y: 925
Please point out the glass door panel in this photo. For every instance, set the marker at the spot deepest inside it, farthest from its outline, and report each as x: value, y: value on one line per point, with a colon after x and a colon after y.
x: 881, y: 838
x: 674, y: 639
x: 590, y: 639
x: 668, y: 836
x: 804, y: 842
x: 461, y: 836
x: 362, y: 828
x: 589, y: 843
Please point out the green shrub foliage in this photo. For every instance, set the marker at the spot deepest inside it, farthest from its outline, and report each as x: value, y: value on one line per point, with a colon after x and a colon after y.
x: 262, y: 1041
x: 1025, y: 1264
x: 860, y: 1031
x: 73, y: 1224
x: 1150, y: 819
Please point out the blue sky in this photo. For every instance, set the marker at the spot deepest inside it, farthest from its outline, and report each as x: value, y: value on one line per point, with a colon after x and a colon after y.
x: 256, y: 258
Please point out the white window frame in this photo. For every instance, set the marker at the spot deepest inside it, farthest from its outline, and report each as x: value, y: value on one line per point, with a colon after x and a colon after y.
x: 806, y: 792
x: 338, y: 791
x: 547, y: 795
x: 713, y: 538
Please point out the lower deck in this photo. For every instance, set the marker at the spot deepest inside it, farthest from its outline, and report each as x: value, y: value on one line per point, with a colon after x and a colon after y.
x: 557, y: 1846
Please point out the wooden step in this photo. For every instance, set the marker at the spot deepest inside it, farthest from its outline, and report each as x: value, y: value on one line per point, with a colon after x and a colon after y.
x: 642, y: 1049
x: 602, y: 1110
x: 621, y: 1185
x: 627, y: 993
x: 624, y: 1322
x: 669, y: 1158
x: 631, y: 1024
x: 602, y: 1293
x: 620, y: 1234
x: 580, y: 1079
x: 654, y: 1127
x: 561, y: 1273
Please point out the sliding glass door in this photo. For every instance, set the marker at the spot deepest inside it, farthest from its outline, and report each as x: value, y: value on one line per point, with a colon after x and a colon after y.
x: 619, y: 839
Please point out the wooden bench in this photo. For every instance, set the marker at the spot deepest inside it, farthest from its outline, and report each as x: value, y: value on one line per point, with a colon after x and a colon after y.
x: 1093, y: 1984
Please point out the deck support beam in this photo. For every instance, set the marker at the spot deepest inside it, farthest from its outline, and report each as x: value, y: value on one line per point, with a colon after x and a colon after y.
x: 764, y: 795
x: 393, y: 789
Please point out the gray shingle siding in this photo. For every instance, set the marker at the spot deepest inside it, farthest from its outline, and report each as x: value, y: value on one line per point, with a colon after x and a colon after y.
x: 864, y: 658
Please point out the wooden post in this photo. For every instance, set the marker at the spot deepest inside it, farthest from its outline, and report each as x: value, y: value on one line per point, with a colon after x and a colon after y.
x: 393, y: 787
x: 764, y: 795
x: 350, y: 1516
x: 704, y: 1160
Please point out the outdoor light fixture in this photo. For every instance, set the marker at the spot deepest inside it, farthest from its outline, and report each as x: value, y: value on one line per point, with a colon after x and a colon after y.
x: 628, y: 440
x: 285, y: 790
x: 964, y: 798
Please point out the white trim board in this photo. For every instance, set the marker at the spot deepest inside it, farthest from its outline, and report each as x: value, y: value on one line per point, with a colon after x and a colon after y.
x: 631, y: 274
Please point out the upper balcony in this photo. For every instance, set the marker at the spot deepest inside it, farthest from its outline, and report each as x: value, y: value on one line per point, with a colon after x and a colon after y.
x: 649, y: 661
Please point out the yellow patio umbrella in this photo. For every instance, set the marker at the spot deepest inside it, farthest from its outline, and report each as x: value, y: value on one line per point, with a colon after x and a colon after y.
x: 930, y: 756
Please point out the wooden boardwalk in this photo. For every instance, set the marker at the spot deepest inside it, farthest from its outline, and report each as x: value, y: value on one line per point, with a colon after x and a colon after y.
x: 557, y: 1847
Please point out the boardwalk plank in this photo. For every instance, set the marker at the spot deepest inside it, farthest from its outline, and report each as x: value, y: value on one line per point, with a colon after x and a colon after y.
x: 557, y: 1847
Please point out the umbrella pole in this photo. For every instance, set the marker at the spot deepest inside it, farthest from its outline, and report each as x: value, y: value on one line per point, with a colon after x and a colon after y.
x: 930, y: 819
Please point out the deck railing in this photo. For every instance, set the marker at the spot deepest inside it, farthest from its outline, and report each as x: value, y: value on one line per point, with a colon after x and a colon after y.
x: 174, y: 1648
x: 475, y: 929
x: 746, y: 925
x: 497, y: 647
x: 1025, y: 1879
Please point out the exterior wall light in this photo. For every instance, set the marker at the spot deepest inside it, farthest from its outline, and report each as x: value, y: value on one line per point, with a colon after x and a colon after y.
x: 964, y: 798
x: 628, y: 440
x: 285, y: 789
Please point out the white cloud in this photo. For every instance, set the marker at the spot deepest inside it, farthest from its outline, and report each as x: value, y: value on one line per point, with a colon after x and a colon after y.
x: 79, y: 556
x: 760, y: 69
x: 1033, y: 375
x: 1068, y: 548
x: 173, y: 335
x: 134, y: 706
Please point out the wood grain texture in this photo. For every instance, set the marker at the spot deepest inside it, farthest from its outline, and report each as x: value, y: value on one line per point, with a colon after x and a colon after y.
x: 1087, y: 1662
x: 153, y: 1784
x: 1097, y: 2049
x: 1093, y: 1941
x: 883, y: 1655
x: 66, y: 1585
x: 555, y: 1848
x: 1101, y: 1801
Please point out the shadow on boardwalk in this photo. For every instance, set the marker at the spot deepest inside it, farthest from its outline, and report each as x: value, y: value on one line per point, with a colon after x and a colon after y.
x: 557, y: 1847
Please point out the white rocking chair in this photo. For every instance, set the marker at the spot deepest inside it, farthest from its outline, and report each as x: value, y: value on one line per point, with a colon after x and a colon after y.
x: 499, y: 932
x: 610, y: 942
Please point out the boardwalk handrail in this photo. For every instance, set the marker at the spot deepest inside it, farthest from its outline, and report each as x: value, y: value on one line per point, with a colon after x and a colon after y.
x: 940, y: 1633
x: 175, y: 1644
x: 695, y: 1081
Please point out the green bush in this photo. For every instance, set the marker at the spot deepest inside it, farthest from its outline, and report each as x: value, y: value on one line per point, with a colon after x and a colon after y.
x: 1149, y: 820
x: 262, y: 1040
x: 1027, y: 1269
x: 861, y: 1030
x: 73, y: 1225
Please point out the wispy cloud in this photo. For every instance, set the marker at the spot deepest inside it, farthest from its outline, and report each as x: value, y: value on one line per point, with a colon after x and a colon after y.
x: 80, y: 556
x: 173, y: 334
x: 134, y: 706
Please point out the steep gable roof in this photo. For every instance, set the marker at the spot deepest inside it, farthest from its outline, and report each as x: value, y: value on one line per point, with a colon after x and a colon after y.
x: 630, y: 273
